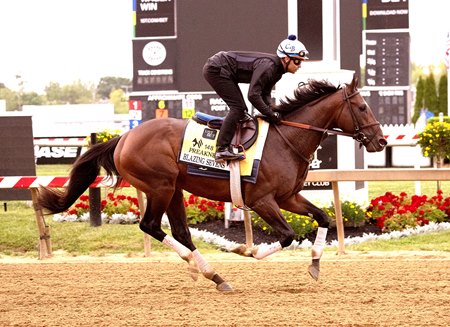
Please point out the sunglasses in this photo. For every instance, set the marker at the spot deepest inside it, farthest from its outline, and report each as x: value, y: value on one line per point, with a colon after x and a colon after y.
x: 296, y: 61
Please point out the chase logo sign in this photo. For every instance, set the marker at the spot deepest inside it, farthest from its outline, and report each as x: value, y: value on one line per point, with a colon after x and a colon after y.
x: 57, y: 154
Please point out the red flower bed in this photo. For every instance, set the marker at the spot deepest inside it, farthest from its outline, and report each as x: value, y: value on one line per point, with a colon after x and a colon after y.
x: 397, y: 212
x: 200, y: 210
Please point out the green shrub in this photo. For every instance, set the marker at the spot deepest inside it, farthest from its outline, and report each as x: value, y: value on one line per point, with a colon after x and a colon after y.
x: 352, y: 213
x: 302, y: 225
x: 104, y: 136
x: 435, y: 119
x: 435, y: 140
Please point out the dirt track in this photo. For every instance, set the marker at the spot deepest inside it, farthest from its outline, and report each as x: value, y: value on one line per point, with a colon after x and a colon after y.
x: 354, y: 290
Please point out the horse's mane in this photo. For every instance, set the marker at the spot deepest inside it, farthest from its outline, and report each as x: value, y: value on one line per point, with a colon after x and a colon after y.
x: 306, y: 93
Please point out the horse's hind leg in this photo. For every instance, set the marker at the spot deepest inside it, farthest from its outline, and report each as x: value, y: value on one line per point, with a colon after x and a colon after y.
x: 182, y: 239
x: 151, y: 224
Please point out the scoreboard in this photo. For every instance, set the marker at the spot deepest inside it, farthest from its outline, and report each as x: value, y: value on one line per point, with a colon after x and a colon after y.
x: 387, y: 58
x: 386, y: 48
x: 390, y: 106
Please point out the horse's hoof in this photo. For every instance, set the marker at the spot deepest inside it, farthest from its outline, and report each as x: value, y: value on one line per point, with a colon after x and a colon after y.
x: 224, y: 287
x: 314, y: 269
x: 243, y: 250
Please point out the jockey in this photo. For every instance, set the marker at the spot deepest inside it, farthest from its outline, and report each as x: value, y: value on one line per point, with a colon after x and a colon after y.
x: 262, y: 71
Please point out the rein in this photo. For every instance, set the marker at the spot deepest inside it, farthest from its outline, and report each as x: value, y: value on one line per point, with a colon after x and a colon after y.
x: 314, y: 128
x: 289, y: 143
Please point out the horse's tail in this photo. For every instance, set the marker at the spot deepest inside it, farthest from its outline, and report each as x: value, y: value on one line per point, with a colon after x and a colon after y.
x: 84, y: 172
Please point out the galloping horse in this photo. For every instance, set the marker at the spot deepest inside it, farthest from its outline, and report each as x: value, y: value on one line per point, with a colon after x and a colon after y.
x: 146, y: 157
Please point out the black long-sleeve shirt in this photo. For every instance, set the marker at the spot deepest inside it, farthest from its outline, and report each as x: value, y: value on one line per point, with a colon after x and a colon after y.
x: 261, y: 70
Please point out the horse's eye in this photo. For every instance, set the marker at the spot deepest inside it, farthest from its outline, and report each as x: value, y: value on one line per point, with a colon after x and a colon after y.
x: 363, y: 107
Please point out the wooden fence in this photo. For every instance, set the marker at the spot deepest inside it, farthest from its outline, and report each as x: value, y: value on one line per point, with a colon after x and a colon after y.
x: 382, y: 174
x: 33, y: 182
x: 324, y: 175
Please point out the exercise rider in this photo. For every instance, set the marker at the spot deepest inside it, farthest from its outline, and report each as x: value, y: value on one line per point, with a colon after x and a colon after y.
x: 262, y: 71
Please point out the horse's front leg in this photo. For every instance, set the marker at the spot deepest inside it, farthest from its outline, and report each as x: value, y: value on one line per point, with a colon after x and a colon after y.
x: 317, y: 251
x: 299, y: 205
x: 258, y: 251
x: 268, y: 209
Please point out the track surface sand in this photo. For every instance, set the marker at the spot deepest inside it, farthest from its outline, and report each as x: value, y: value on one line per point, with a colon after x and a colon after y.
x: 372, y: 289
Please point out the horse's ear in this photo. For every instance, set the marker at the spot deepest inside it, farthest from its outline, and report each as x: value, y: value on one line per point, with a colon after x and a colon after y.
x: 354, y: 83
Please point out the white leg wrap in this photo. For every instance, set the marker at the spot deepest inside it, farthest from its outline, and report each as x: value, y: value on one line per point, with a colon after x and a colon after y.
x: 266, y: 249
x: 179, y: 248
x: 319, y: 243
x: 202, y: 264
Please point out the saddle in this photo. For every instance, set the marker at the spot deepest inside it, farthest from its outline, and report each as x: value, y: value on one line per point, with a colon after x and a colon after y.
x: 246, y: 131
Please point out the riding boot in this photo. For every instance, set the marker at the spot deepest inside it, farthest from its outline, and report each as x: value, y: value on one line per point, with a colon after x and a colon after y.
x: 225, y: 153
x: 224, y: 150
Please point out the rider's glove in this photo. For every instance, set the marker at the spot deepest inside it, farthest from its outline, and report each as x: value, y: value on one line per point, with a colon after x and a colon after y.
x: 270, y: 115
x: 274, y: 118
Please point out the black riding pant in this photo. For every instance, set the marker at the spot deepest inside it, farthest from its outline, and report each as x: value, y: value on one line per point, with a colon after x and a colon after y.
x: 230, y: 92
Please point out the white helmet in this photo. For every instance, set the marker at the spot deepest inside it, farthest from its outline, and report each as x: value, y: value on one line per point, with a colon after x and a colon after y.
x: 292, y: 47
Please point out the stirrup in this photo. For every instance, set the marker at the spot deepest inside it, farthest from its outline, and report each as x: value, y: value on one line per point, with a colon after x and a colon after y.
x: 226, y: 154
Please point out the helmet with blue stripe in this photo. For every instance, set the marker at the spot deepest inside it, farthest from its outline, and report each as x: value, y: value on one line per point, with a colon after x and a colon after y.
x: 291, y: 47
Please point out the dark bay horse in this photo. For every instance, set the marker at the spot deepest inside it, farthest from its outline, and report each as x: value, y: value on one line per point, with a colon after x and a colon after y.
x: 146, y: 156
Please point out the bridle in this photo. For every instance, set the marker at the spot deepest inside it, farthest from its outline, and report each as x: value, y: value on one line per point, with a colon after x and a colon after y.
x: 358, y: 135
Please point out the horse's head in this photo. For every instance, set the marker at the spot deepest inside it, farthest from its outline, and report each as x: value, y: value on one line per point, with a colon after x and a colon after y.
x: 357, y: 118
